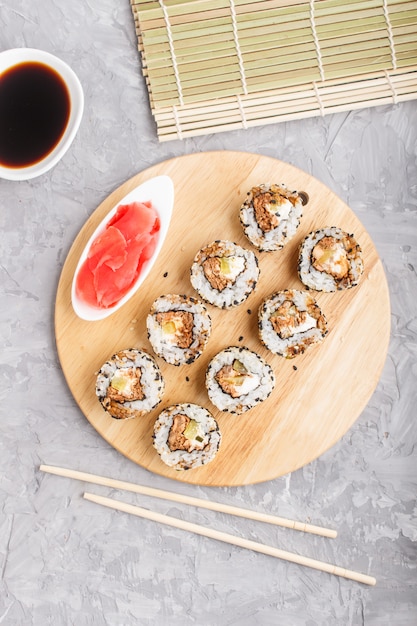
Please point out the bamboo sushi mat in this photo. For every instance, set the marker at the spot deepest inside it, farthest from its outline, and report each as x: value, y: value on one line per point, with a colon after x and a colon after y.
x: 219, y: 65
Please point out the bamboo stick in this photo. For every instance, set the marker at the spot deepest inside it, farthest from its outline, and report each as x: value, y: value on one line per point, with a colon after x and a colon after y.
x: 262, y: 18
x: 298, y: 86
x: 201, y: 49
x: 152, y: 10
x: 231, y: 539
x: 231, y: 84
x: 189, y: 500
x: 277, y: 111
x: 330, y: 107
x: 171, y: 133
x: 256, y: 34
x: 195, y: 10
x: 256, y: 26
x: 203, y: 116
x: 261, y: 79
x: 212, y: 54
x: 262, y: 114
x: 260, y: 66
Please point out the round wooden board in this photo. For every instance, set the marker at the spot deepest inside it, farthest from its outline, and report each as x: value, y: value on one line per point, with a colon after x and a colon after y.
x: 318, y: 395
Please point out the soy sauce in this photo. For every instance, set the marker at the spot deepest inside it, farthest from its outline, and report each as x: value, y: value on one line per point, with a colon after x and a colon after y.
x: 34, y: 112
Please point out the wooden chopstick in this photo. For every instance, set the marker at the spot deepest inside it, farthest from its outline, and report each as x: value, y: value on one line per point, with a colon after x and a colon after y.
x: 232, y: 539
x: 182, y: 499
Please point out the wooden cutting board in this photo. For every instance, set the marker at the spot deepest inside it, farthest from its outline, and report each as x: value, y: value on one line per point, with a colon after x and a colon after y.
x: 318, y: 395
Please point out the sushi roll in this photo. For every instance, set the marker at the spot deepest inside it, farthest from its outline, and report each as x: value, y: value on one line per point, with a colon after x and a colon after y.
x: 224, y: 274
x: 238, y: 379
x: 271, y: 215
x: 178, y: 328
x: 186, y: 436
x: 289, y: 321
x: 330, y: 259
x: 129, y: 384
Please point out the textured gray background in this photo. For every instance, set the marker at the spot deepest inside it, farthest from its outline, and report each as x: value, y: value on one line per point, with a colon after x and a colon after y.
x: 66, y: 561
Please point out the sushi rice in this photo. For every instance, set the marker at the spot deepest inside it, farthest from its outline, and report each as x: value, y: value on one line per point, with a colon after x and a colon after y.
x: 224, y: 274
x: 129, y: 384
x: 186, y: 436
x: 271, y: 215
x: 289, y: 321
x: 330, y: 259
x: 178, y: 327
x: 237, y: 379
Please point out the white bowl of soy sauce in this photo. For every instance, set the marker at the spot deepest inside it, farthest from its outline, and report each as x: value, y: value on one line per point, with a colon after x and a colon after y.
x: 41, y: 106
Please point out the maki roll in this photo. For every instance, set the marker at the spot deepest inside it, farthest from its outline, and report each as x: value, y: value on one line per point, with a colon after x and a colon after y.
x: 271, y: 215
x: 224, y: 274
x: 289, y: 321
x: 178, y: 328
x: 238, y: 379
x: 186, y: 436
x: 129, y: 384
x: 330, y: 259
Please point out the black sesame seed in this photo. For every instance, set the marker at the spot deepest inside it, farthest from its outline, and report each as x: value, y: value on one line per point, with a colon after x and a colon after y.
x: 249, y: 311
x: 294, y: 367
x: 165, y: 274
x: 241, y: 338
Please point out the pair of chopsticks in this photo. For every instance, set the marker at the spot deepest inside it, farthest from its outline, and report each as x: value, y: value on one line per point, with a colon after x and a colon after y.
x: 204, y: 530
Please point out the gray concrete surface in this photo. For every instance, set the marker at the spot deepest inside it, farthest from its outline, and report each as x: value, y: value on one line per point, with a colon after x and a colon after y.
x: 65, y: 561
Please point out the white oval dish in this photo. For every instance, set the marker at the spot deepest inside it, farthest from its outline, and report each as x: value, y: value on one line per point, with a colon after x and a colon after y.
x: 158, y: 190
x: 16, y: 56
